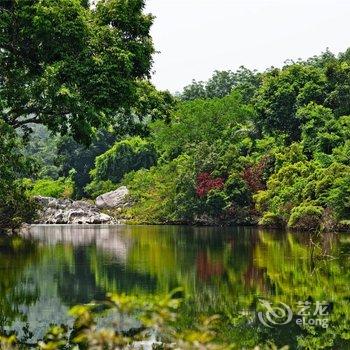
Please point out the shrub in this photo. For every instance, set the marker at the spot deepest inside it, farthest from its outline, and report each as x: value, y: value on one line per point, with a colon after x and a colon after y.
x: 159, y: 314
x: 306, y: 217
x: 125, y: 156
x: 15, y: 206
x: 237, y: 190
x: 344, y: 225
x: 61, y: 188
x: 205, y: 183
x: 253, y: 175
x: 152, y: 190
x: 339, y: 197
x: 96, y: 188
x: 165, y: 193
x: 261, y: 200
x: 272, y: 220
x: 216, y: 202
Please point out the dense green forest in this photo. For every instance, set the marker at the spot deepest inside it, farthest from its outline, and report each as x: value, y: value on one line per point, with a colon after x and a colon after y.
x: 245, y: 147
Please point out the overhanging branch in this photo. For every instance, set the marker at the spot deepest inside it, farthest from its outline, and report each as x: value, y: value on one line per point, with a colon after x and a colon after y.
x: 19, y: 123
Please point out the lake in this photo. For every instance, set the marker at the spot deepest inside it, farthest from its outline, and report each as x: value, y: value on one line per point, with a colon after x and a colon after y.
x: 243, y: 274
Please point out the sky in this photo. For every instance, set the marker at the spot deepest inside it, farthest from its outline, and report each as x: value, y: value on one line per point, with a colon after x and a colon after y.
x: 196, y: 37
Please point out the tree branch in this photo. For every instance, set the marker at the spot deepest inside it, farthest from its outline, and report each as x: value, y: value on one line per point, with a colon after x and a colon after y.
x: 19, y: 123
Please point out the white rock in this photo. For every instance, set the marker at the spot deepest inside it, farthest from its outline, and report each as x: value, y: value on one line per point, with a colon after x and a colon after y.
x: 115, y: 199
x: 63, y: 211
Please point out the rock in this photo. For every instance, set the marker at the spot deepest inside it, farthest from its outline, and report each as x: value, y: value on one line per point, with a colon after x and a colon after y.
x: 53, y: 202
x: 115, y: 199
x: 65, y: 211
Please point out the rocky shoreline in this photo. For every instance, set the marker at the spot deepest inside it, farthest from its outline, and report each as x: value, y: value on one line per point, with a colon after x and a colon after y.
x: 66, y: 211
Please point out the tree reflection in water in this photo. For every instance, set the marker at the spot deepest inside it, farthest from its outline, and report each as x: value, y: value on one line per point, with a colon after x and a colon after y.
x: 16, y: 254
x: 221, y: 271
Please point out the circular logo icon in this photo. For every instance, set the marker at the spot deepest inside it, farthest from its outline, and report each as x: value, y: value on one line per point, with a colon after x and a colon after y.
x: 275, y: 315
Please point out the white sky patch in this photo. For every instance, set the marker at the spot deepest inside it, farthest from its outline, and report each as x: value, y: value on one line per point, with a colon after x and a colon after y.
x: 196, y: 37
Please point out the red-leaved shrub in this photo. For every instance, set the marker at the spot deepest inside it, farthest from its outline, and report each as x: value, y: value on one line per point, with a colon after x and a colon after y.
x: 253, y: 175
x: 205, y: 183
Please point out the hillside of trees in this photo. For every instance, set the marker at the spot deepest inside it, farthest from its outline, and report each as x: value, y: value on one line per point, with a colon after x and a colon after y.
x: 244, y: 148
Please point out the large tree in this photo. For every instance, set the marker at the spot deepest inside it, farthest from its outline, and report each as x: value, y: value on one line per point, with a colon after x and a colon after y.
x: 15, y: 207
x: 285, y: 90
x: 69, y: 65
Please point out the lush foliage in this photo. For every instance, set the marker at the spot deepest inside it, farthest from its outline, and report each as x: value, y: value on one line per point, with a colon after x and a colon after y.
x: 222, y: 84
x: 72, y: 156
x: 71, y: 88
x: 269, y: 149
x: 243, y: 148
x: 156, y: 314
x: 196, y: 145
x: 76, y: 69
x: 42, y: 147
x: 281, y: 160
x: 125, y: 156
x: 97, y: 188
x: 15, y: 206
x: 60, y: 188
x: 149, y: 105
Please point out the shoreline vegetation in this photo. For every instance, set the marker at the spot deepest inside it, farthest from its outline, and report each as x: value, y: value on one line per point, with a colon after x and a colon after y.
x: 246, y: 147
x: 265, y: 149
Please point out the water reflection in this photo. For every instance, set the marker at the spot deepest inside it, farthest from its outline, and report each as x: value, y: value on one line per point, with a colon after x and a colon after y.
x: 110, y: 239
x: 222, y: 271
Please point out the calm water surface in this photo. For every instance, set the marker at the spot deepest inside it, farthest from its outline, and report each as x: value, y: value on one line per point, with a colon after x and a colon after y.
x: 223, y: 271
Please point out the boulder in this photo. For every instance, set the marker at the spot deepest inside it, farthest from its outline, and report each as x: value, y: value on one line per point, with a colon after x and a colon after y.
x: 66, y: 211
x: 115, y: 199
